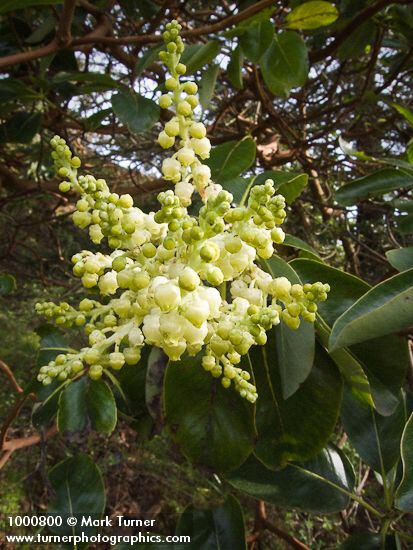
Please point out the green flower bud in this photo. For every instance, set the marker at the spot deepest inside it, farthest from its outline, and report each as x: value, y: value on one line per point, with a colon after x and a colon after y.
x: 218, y: 346
x: 86, y: 305
x: 140, y: 280
x: 291, y: 322
x: 171, y: 84
x: 132, y: 355
x: 92, y: 356
x: 149, y: 250
x: 95, y: 372
x: 277, y: 235
x: 186, y: 156
x: 172, y: 127
x: 197, y: 130
x: 116, y: 360
x: 64, y: 186
x: 192, y: 100
x: 226, y: 382
x: 90, y: 280
x: 165, y: 101
x: 190, y: 88
x: 208, y: 362
x: 189, y: 279
x: 76, y: 366
x: 184, y: 108
x: 125, y: 201
x: 167, y: 296
x: 165, y: 141
x: 119, y: 263
x: 181, y: 68
x: 210, y: 252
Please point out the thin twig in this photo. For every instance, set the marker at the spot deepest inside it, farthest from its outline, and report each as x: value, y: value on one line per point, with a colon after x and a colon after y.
x: 8, y: 372
x: 99, y: 36
x: 261, y: 521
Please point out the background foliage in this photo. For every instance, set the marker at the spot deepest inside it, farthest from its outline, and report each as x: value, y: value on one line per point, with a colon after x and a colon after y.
x: 290, y: 89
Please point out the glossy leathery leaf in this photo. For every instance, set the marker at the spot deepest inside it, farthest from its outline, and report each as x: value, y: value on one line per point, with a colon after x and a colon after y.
x: 229, y: 160
x: 136, y: 112
x: 86, y: 401
x: 212, y: 528
x: 77, y: 489
x: 385, y: 309
x: 284, y: 65
x: 376, y: 438
x: 401, y: 258
x: 318, y: 486
x: 296, y: 428
x: 373, y: 185
x: 380, y: 363
x: 211, y: 425
x: 404, y: 493
x: 312, y: 15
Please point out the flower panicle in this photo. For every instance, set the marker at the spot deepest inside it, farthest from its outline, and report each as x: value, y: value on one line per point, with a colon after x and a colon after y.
x: 184, y: 283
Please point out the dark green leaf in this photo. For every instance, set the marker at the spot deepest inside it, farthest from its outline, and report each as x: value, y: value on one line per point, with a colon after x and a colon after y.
x: 72, y: 413
x: 295, y: 242
x: 77, y: 489
x: 196, y: 56
x: 292, y: 189
x: 312, y: 15
x: 237, y: 187
x: 404, y: 493
x: 101, y: 79
x: 229, y: 160
x: 373, y: 185
x: 404, y: 224
x: 216, y: 528
x: 294, y: 348
x: 385, y: 309
x: 376, y: 438
x: 44, y: 413
x: 7, y: 283
x: 213, y: 426
x: 95, y: 120
x: 52, y: 343
x: 86, y: 400
x: 369, y: 541
x: 355, y: 45
x: 405, y: 112
x: 20, y: 128
x: 45, y: 28
x: 207, y: 85
x: 12, y: 90
x: 256, y: 40
x: 401, y: 258
x: 149, y: 57
x: 234, y: 69
x: 285, y: 63
x: 136, y: 112
x: 246, y: 24
x: 101, y: 407
x: 155, y: 374
x: 380, y: 363
x: 318, y: 486
x: 296, y: 428
x: 11, y: 5
x: 295, y: 355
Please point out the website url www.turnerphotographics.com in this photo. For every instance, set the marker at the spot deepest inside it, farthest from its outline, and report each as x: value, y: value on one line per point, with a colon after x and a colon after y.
x: 80, y: 529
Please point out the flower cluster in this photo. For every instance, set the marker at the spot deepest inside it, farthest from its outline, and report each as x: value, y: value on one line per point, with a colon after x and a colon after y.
x: 184, y: 283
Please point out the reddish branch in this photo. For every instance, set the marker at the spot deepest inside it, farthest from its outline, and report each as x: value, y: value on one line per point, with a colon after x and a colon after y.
x: 262, y: 523
x: 8, y: 372
x: 104, y: 27
x: 362, y: 17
